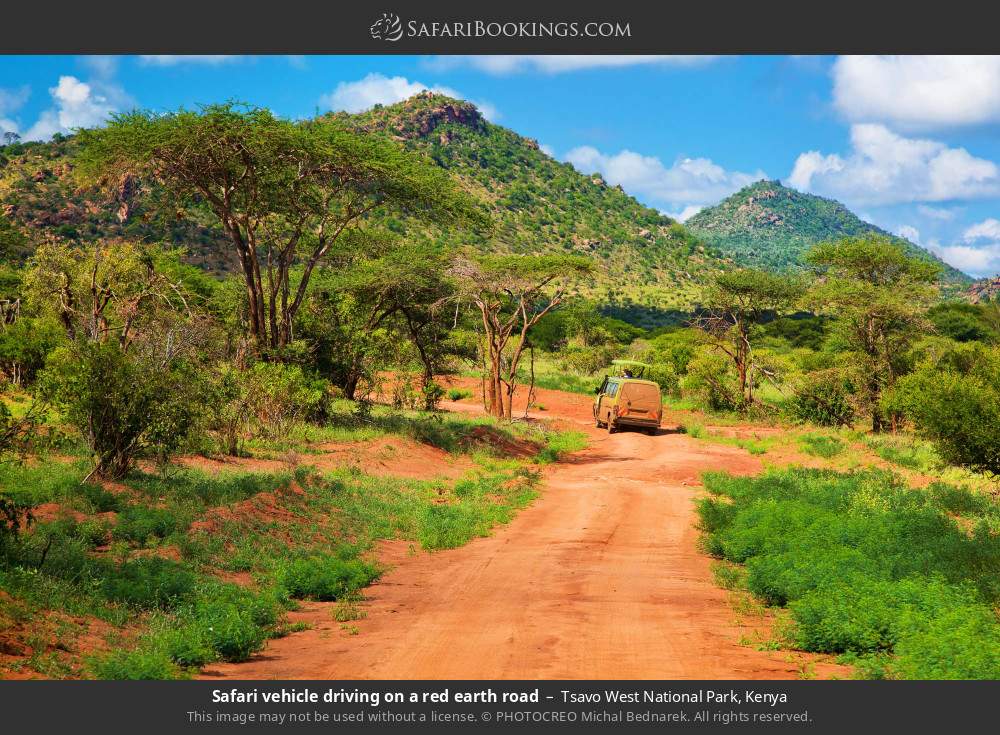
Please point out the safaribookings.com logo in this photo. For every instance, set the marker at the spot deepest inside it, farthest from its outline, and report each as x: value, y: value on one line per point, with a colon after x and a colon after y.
x: 390, y: 28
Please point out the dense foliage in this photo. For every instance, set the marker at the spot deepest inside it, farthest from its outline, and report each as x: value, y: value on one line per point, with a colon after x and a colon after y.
x: 868, y: 566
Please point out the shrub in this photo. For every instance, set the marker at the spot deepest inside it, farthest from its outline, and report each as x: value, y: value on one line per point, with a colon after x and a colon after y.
x: 148, y: 582
x: 450, y: 526
x: 264, y: 400
x: 325, y: 576
x: 867, y: 566
x: 138, y: 523
x: 711, y: 381
x: 121, y: 403
x: 587, y: 360
x: 230, y: 631
x: 138, y: 664
x: 457, y: 394
x: 824, y: 399
x: 957, y: 410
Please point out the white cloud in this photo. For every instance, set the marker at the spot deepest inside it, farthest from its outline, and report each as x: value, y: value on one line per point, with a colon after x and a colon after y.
x: 547, y: 150
x: 558, y: 64
x: 378, y: 89
x: 979, y: 262
x: 939, y: 213
x: 179, y: 59
x: 909, y: 232
x: 689, y: 182
x: 979, y: 256
x: 988, y: 229
x: 918, y: 92
x: 77, y: 105
x: 685, y: 214
x: 884, y: 167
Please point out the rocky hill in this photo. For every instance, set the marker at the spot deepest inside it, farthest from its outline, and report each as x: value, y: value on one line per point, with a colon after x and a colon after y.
x: 986, y: 290
x: 540, y: 204
x: 770, y: 225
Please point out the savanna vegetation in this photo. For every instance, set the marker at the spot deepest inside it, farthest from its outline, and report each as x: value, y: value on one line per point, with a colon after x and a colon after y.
x: 222, y: 298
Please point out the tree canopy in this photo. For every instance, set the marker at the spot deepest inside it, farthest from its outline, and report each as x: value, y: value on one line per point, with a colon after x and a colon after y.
x: 284, y: 192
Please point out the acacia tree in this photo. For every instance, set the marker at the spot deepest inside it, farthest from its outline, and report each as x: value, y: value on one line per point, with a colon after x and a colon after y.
x: 734, y: 305
x: 284, y: 192
x: 880, y: 295
x: 103, y: 291
x: 512, y: 293
x: 369, y: 301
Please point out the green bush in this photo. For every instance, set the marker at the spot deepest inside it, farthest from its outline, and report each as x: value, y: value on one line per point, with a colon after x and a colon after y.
x: 230, y: 630
x: 148, y: 582
x: 122, y: 403
x: 956, y: 405
x: 711, y: 380
x: 824, y: 399
x: 325, y: 576
x: 450, y: 526
x: 137, y: 664
x: 867, y: 566
x: 137, y: 523
x: 457, y: 394
x: 187, y: 645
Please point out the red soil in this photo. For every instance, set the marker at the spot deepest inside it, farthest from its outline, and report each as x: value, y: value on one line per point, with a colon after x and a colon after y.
x: 599, y: 578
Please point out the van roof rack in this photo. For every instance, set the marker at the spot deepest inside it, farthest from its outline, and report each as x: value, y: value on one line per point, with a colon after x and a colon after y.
x: 633, y: 367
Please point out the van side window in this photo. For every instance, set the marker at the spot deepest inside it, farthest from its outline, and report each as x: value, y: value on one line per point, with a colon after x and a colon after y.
x: 612, y: 389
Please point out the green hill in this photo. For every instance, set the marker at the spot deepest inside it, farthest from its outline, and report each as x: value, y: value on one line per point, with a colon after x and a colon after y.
x: 770, y: 225
x: 540, y: 205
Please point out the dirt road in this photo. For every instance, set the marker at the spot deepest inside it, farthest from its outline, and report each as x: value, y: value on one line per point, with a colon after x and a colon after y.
x: 599, y: 578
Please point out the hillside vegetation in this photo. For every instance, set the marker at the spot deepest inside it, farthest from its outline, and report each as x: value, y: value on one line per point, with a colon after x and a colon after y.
x: 539, y: 205
x: 768, y: 225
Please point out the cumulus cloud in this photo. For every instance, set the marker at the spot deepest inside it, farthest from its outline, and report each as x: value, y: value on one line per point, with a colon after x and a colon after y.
x: 918, y: 92
x: 978, y: 254
x: 979, y: 262
x: 378, y: 89
x: 884, y: 167
x: 988, y: 229
x: 179, y: 59
x: 558, y: 64
x: 688, y: 183
x: 687, y: 213
x: 76, y: 105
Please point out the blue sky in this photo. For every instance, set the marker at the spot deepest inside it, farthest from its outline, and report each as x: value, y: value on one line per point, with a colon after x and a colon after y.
x: 909, y: 143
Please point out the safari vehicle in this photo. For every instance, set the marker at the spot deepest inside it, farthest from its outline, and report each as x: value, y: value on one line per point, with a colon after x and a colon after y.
x: 625, y: 399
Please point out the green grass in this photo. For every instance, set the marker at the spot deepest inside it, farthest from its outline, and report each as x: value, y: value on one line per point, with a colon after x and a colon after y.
x: 867, y: 566
x: 458, y: 394
x: 904, y: 451
x: 149, y: 571
x: 821, y: 445
x: 43, y: 481
x: 559, y: 444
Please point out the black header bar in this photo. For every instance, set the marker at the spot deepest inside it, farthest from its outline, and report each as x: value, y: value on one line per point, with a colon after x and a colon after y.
x: 507, y: 27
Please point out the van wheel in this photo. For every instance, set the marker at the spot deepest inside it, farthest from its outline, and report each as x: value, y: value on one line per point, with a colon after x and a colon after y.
x: 598, y: 423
